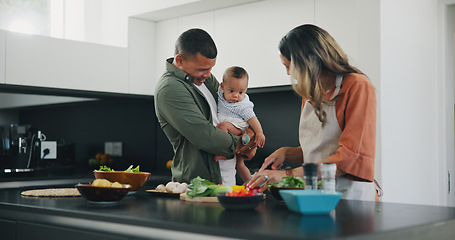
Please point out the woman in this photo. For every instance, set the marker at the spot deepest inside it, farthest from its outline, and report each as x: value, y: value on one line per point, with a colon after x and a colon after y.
x: 338, y: 116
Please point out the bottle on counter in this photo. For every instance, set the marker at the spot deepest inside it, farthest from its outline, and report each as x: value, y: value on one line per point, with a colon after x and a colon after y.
x: 310, y: 175
x: 328, y: 172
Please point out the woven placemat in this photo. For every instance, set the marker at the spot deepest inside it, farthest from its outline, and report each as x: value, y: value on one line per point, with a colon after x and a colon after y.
x: 52, y: 192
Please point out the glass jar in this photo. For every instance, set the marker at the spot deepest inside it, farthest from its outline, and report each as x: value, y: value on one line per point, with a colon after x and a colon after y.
x: 310, y: 175
x: 328, y: 173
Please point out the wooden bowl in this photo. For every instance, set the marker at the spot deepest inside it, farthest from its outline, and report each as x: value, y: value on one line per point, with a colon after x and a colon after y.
x: 136, y: 180
x: 103, y: 194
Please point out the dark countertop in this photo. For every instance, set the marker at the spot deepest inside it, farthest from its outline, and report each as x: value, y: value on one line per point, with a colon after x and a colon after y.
x: 142, y: 215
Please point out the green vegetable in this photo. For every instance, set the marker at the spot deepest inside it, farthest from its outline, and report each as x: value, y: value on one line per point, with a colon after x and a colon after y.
x: 133, y: 170
x: 200, y: 187
x: 289, y: 181
x: 106, y: 169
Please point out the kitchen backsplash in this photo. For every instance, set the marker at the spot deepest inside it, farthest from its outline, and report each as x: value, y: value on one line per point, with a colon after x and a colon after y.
x: 133, y: 122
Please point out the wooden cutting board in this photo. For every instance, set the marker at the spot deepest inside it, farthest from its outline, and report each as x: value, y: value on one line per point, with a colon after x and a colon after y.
x: 184, y: 197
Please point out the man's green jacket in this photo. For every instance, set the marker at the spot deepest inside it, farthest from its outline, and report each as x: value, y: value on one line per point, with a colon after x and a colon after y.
x: 185, y: 117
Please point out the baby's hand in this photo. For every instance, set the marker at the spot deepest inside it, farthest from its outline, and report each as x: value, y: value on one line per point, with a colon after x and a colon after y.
x: 260, y: 139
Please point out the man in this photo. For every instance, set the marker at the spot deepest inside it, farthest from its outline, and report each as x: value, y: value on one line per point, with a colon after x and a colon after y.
x: 185, y: 105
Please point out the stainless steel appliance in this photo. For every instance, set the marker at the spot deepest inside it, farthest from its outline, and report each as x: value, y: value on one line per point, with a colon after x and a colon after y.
x: 19, y: 148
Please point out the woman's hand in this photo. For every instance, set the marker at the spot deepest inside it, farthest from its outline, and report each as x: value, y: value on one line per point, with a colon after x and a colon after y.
x: 247, y: 152
x: 263, y: 177
x: 276, y: 159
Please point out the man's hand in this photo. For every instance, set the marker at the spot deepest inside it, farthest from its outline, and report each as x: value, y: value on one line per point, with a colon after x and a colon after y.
x: 247, y: 152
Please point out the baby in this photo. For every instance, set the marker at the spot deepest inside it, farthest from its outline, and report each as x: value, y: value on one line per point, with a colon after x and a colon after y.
x: 235, y: 113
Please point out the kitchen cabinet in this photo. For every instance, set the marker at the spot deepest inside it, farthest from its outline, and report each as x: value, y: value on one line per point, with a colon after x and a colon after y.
x: 56, y: 63
x: 141, y: 56
x: 248, y: 36
x: 166, y: 33
x: 247, y: 33
x: 355, y: 26
x: 2, y: 55
x: 7, y: 229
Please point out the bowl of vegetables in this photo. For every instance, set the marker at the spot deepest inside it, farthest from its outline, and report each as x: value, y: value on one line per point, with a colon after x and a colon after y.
x: 131, y: 176
x: 102, y: 191
x: 240, y: 198
x: 287, y: 183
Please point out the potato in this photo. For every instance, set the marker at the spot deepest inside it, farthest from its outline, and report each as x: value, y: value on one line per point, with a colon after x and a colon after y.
x: 116, y: 185
x: 101, y: 183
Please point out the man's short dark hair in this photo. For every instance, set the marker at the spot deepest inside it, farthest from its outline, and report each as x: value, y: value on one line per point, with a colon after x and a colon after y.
x: 195, y: 41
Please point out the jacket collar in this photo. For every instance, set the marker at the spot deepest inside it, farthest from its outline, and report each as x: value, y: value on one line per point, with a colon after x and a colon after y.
x: 177, y: 72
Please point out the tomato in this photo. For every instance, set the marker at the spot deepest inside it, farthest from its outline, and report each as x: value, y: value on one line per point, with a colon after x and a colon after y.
x: 241, y: 193
x: 255, y: 189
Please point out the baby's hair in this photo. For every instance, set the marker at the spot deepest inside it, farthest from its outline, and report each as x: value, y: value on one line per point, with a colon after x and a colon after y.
x: 236, y: 72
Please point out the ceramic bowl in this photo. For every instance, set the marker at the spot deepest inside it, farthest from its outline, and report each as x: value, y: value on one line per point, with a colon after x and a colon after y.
x: 103, y: 194
x: 240, y: 203
x: 136, y: 180
x: 275, y: 191
x: 310, y: 202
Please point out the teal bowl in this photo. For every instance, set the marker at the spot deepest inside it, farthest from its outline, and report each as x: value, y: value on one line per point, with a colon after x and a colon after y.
x: 310, y: 202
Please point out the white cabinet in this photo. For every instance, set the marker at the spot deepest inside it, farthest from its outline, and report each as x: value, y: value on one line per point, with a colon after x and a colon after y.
x: 2, y: 55
x: 355, y: 26
x: 166, y: 34
x: 248, y: 36
x: 141, y: 63
x: 57, y: 63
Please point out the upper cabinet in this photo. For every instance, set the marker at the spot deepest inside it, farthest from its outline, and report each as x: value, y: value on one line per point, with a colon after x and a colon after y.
x: 248, y: 36
x: 141, y: 53
x: 246, y: 32
x: 355, y: 26
x: 57, y: 63
x: 2, y: 55
x: 162, y: 28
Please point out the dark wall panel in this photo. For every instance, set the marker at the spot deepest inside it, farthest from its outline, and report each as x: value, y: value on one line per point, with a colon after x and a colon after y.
x: 133, y: 122
x: 90, y: 124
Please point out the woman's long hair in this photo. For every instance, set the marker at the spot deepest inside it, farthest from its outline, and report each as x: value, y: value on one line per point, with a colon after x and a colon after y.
x: 311, y: 50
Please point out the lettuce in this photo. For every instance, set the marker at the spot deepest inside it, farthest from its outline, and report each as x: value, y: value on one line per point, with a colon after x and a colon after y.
x: 105, y: 169
x: 289, y: 181
x: 200, y: 187
x: 133, y: 170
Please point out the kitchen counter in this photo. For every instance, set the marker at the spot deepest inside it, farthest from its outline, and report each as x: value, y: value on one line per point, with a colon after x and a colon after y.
x: 143, y: 216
